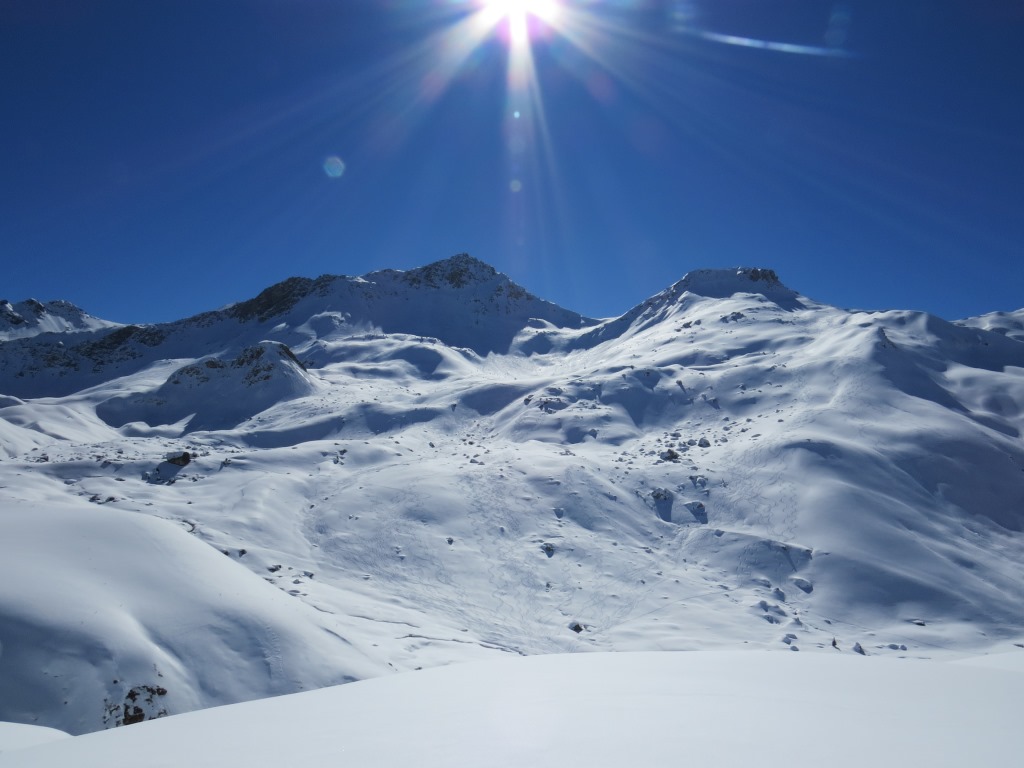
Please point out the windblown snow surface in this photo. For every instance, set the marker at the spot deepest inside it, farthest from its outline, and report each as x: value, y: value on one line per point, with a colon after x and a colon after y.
x: 411, y: 469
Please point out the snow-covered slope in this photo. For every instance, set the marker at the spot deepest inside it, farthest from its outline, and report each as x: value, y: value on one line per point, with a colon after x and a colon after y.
x: 216, y: 394
x: 434, y: 466
x: 1009, y: 324
x: 31, y: 317
x: 128, y: 610
x: 653, y: 709
x: 19, y: 736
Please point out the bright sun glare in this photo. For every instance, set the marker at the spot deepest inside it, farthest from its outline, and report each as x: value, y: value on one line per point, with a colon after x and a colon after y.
x: 518, y: 13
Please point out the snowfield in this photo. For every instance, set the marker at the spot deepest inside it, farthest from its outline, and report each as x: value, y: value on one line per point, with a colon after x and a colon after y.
x: 659, y: 709
x: 347, y: 478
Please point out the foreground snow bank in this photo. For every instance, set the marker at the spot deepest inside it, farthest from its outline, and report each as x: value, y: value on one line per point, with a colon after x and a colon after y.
x: 115, y: 616
x: 19, y: 736
x: 661, y: 709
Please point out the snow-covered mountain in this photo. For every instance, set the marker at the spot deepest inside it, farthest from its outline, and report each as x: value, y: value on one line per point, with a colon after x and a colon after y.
x: 344, y: 477
x: 460, y: 301
x: 1009, y: 324
x: 31, y: 317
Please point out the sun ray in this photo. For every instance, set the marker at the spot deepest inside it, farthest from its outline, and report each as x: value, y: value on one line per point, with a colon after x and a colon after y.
x: 531, y: 160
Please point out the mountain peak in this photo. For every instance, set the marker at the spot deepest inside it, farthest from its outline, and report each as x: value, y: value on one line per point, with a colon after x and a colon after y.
x: 719, y: 283
x: 724, y: 283
x: 708, y: 284
x: 32, y: 317
x: 456, y: 272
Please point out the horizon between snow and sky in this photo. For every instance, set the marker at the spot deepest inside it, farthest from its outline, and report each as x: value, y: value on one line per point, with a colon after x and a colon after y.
x: 168, y: 157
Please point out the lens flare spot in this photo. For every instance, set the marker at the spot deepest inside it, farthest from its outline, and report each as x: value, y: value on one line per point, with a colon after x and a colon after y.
x: 601, y: 87
x: 334, y: 167
x: 515, y: 185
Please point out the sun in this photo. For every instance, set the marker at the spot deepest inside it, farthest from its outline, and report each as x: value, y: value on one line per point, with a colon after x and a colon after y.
x: 518, y: 14
x: 544, y: 9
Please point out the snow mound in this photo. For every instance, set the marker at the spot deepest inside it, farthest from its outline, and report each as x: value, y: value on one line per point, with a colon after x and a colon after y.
x: 215, y: 393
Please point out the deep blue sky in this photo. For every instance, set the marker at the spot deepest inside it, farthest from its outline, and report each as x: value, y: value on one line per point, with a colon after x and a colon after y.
x: 164, y: 157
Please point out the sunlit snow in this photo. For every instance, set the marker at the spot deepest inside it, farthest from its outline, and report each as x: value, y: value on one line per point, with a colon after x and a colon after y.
x: 658, y: 709
x: 416, y: 469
